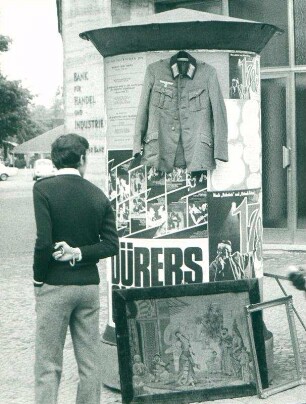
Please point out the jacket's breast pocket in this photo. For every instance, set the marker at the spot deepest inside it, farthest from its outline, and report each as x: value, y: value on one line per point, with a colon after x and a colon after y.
x: 198, y: 99
x: 162, y: 97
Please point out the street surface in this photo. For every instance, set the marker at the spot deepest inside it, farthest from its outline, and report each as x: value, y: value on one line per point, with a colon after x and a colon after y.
x: 17, y: 320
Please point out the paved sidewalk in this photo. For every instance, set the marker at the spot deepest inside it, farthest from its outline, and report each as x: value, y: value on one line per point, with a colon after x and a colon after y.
x: 18, y: 320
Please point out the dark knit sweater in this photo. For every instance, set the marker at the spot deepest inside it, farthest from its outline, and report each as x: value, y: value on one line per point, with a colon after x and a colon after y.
x: 70, y: 208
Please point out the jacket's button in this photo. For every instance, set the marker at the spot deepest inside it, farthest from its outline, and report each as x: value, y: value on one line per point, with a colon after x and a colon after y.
x: 173, y: 128
x: 176, y: 118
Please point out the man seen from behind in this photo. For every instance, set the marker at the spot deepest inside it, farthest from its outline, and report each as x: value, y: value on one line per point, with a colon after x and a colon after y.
x: 75, y: 229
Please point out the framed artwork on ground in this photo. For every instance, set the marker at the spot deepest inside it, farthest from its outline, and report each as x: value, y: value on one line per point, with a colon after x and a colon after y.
x: 285, y: 367
x: 187, y: 343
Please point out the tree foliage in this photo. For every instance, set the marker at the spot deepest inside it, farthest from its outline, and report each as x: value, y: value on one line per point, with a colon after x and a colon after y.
x: 15, y: 115
x: 4, y: 43
x: 20, y: 119
x: 47, y: 118
x: 15, y: 118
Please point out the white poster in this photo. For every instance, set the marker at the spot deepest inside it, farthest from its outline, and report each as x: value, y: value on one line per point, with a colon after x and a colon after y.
x: 243, y: 170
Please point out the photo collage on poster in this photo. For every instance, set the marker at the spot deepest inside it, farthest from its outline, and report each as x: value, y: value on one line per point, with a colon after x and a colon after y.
x: 153, y: 204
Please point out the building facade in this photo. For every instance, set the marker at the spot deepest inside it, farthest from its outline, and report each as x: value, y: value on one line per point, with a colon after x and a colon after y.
x: 283, y: 87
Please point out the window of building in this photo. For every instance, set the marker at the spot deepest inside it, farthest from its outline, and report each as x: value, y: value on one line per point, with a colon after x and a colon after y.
x: 276, y: 52
x: 300, y: 31
x: 274, y: 137
x: 209, y: 6
x: 120, y: 11
x: 300, y: 97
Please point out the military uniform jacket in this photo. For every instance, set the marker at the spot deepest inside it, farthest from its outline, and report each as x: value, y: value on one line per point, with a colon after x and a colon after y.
x: 181, y: 119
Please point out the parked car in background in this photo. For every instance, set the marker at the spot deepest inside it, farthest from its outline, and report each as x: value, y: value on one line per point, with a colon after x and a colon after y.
x: 43, y: 168
x: 6, y: 172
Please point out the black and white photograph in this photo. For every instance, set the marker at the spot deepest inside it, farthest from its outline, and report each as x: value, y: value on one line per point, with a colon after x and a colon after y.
x: 138, y: 205
x: 152, y: 143
x: 197, y: 211
x: 176, y: 216
x: 157, y: 215
x: 197, y: 181
x: 138, y: 213
x: 156, y: 182
x: 176, y: 179
x: 137, y: 181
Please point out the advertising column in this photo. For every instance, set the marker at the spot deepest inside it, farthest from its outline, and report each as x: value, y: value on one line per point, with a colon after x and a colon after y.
x: 183, y: 149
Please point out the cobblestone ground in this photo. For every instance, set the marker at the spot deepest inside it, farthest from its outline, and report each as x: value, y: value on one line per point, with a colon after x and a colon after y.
x: 17, y: 319
x: 284, y: 363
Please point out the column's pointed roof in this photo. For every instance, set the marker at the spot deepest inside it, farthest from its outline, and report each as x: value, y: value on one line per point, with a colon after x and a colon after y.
x: 181, y: 28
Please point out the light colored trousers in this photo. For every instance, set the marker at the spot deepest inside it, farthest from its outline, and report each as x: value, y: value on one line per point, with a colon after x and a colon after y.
x: 58, y: 307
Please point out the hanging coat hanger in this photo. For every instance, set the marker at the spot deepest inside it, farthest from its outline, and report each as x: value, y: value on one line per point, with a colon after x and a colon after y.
x: 182, y: 56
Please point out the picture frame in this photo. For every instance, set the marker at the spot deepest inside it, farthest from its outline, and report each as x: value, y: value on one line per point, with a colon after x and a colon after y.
x: 187, y: 343
x: 253, y: 310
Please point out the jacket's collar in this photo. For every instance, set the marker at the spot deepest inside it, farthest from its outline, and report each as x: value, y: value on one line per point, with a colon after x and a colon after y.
x: 192, y: 65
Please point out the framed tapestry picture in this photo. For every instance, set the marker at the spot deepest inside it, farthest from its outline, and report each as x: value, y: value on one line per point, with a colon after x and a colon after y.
x: 286, y: 370
x: 187, y: 343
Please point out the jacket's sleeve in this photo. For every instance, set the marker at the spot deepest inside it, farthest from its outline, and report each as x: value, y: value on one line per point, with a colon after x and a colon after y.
x: 219, y: 117
x: 43, y: 245
x: 142, y: 117
x: 109, y: 242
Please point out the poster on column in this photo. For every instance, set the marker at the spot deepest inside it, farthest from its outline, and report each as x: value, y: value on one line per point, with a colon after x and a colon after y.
x: 161, y: 220
x: 243, y: 169
x: 235, y: 235
x: 124, y: 79
x: 244, y: 77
